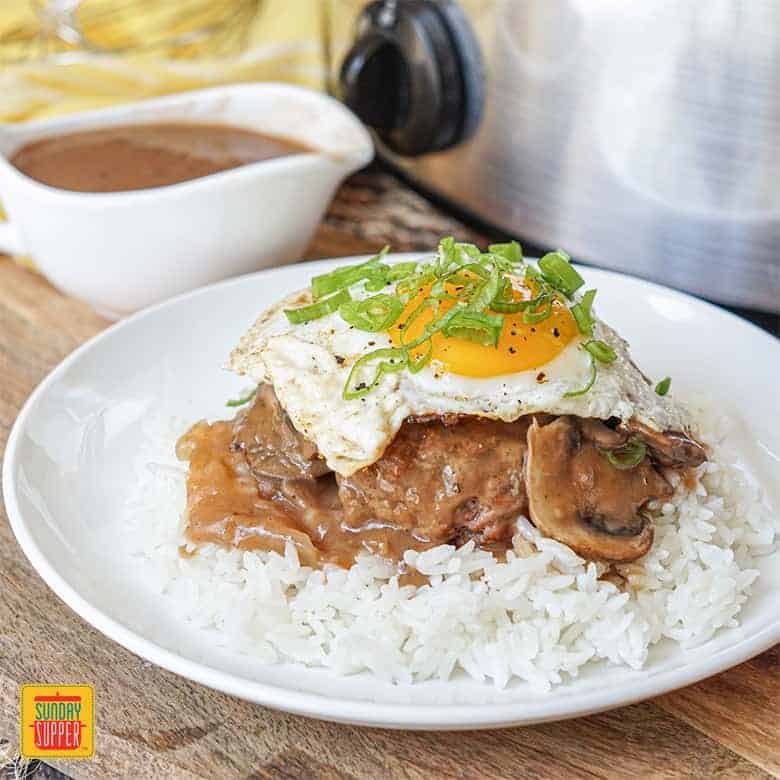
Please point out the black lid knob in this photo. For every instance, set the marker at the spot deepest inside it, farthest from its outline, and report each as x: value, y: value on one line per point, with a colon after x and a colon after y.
x: 413, y: 74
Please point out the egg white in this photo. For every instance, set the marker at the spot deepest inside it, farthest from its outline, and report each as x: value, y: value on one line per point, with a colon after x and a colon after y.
x: 308, y: 365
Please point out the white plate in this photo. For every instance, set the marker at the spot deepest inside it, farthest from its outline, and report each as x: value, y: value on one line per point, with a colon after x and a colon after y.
x: 68, y: 469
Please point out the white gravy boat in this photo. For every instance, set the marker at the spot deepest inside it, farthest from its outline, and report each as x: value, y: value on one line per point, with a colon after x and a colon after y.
x: 121, y: 251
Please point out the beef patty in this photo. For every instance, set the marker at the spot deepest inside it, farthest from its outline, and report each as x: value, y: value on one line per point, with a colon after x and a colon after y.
x: 445, y: 480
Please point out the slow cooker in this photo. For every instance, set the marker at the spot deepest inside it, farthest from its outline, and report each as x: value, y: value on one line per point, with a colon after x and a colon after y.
x: 643, y: 136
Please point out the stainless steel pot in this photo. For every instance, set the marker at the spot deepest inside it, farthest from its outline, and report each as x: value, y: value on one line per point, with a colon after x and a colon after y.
x: 638, y: 136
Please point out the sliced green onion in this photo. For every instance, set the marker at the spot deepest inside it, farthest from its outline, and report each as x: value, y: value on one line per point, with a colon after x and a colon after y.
x: 441, y: 295
x: 373, y: 314
x: 559, y: 272
x: 505, y: 307
x: 504, y: 290
x: 437, y: 288
x: 470, y: 250
x: 532, y: 275
x: 415, y: 366
x: 451, y: 254
x: 590, y: 382
x: 319, y: 309
x: 376, y: 282
x: 382, y: 275
x: 459, y: 279
x: 486, y: 292
x: 582, y: 313
x: 662, y: 388
x: 445, y: 319
x: 458, y: 276
x: 474, y: 268
x: 480, y: 327
x: 467, y: 268
x: 629, y: 456
x: 504, y: 303
x: 436, y: 325
x: 600, y: 350
x: 464, y: 286
x: 411, y: 284
x: 533, y: 314
x: 241, y: 401
x: 426, y: 304
x: 511, y: 251
x: 401, y: 271
x: 347, y: 275
x: 448, y: 254
x: 390, y: 359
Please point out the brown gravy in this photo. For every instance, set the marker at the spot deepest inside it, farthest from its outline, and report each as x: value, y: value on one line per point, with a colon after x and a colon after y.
x: 137, y: 157
x: 230, y: 506
x: 256, y: 483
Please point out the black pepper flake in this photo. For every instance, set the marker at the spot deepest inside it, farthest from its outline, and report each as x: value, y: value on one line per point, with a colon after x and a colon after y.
x: 401, y: 325
x: 512, y: 350
x: 513, y: 332
x: 541, y: 377
x: 339, y: 359
x: 533, y: 330
x: 556, y: 332
x: 361, y: 386
x: 371, y: 343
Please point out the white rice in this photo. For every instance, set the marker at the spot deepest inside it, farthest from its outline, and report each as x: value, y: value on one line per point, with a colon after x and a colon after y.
x: 539, y: 617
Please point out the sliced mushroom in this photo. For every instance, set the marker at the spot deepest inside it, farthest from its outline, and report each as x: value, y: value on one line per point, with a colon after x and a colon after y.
x: 601, y: 434
x: 273, y: 447
x: 669, y: 448
x: 578, y: 498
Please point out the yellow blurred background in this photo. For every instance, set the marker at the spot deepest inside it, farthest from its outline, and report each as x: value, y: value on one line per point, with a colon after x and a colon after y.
x: 59, y: 56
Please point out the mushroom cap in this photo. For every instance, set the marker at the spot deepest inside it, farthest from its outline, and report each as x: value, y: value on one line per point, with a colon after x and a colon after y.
x: 273, y: 447
x: 669, y: 448
x: 577, y: 497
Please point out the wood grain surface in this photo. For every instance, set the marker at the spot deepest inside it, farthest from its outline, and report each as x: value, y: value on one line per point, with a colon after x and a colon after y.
x: 153, y: 724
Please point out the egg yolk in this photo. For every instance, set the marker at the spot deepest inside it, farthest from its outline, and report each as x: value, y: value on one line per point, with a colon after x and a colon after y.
x: 521, y: 346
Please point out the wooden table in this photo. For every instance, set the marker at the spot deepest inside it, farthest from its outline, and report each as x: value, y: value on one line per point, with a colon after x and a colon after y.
x: 154, y: 724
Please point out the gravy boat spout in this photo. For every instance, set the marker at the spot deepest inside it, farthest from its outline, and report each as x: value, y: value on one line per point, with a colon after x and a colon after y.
x: 121, y: 251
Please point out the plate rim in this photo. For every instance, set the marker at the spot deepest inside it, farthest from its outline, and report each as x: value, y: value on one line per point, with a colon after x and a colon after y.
x: 361, y: 712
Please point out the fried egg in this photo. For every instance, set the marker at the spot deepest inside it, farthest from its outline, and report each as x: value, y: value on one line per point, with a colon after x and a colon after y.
x: 530, y: 370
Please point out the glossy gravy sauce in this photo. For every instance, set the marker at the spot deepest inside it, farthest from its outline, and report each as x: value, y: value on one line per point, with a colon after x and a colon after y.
x: 137, y: 157
x: 230, y: 506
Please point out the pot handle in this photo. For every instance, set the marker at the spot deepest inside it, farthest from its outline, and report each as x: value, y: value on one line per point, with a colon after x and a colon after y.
x: 10, y: 241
